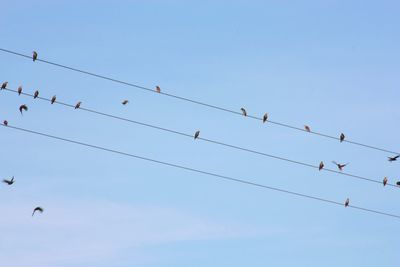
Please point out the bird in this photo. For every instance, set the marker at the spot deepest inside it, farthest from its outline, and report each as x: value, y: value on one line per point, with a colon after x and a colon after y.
x: 393, y: 158
x: 5, y: 123
x: 158, y: 89
x: 196, y: 134
x: 23, y: 107
x: 243, y: 112
x: 40, y: 209
x: 265, y: 117
x: 36, y: 94
x: 340, y: 166
x: 78, y: 105
x: 398, y: 183
x: 34, y: 55
x: 4, y: 85
x: 53, y: 99
x: 346, y: 204
x: 307, y: 128
x: 19, y: 90
x: 385, y: 180
x: 9, y: 182
x: 125, y: 102
x: 321, y: 165
x: 342, y: 137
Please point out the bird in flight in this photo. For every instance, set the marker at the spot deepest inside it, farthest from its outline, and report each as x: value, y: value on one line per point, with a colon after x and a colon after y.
x: 342, y: 137
x: 158, y: 89
x: 23, y: 107
x: 196, y: 134
x: 243, y: 112
x: 125, y: 102
x: 9, y: 182
x: 385, y: 180
x: 321, y: 165
x: 4, y: 85
x: 393, y: 158
x: 346, y: 204
x: 340, y: 166
x: 5, y: 123
x: 36, y: 94
x: 78, y: 105
x: 265, y: 117
x: 39, y: 209
x: 34, y: 55
x: 53, y: 99
x: 307, y: 128
x: 19, y: 90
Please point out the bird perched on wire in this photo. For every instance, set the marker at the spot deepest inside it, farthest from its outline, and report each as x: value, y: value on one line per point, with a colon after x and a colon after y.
x: 393, y: 158
x: 53, y: 99
x: 78, y: 105
x: 196, y: 134
x: 9, y: 182
x: 307, y: 128
x: 321, y: 165
x: 340, y: 166
x: 34, y: 55
x: 5, y: 123
x: 36, y: 94
x: 124, y: 102
x: 265, y: 117
x: 385, y: 180
x: 39, y: 209
x: 23, y: 107
x: 158, y: 89
x: 243, y: 112
x: 342, y: 137
x: 19, y: 90
x: 346, y: 204
x: 398, y: 183
x: 4, y: 85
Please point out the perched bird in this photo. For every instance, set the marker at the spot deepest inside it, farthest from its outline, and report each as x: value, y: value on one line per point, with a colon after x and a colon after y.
x: 40, y: 209
x: 158, y: 89
x: 4, y: 85
x: 78, y: 105
x: 125, y: 102
x: 9, y: 182
x: 340, y: 166
x: 19, y: 90
x: 307, y: 128
x: 23, y: 107
x: 243, y: 112
x: 34, y: 55
x: 346, y: 204
x: 5, y: 123
x: 342, y: 137
x: 398, y: 183
x: 321, y: 165
x: 385, y: 180
x: 53, y: 99
x: 196, y: 134
x: 265, y: 117
x: 393, y: 158
x: 36, y: 94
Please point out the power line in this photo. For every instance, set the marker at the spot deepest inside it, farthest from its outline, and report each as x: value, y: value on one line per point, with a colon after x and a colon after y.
x: 196, y: 102
x: 205, y: 139
x: 229, y: 178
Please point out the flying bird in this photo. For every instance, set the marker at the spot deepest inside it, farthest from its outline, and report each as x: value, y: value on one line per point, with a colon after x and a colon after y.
x: 78, y: 105
x: 4, y: 85
x: 393, y: 158
x: 23, y: 107
x: 342, y: 137
x: 125, y: 102
x: 158, y: 89
x: 321, y: 165
x: 346, y: 204
x: 5, y: 123
x: 36, y: 94
x: 196, y: 134
x: 9, y: 182
x: 385, y: 180
x: 243, y: 112
x: 265, y: 117
x: 53, y: 99
x: 34, y: 55
x: 340, y: 166
x: 19, y: 90
x: 39, y: 209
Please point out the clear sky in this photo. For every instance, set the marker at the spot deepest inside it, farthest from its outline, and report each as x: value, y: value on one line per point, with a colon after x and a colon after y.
x: 333, y: 65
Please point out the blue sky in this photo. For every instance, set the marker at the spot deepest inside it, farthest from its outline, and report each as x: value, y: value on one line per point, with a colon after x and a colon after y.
x: 330, y: 64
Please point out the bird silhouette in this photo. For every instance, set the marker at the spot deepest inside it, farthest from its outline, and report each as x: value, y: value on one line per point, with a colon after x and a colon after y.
x: 307, y: 128
x: 4, y: 85
x: 19, y: 90
x: 398, y: 183
x: 243, y: 112
x: 125, y: 102
x: 9, y: 182
x: 385, y: 180
x: 5, y: 123
x: 39, y: 209
x: 53, y: 99
x: 158, y: 89
x: 346, y: 204
x: 265, y: 117
x: 36, y: 94
x: 342, y: 137
x: 393, y: 158
x: 321, y: 165
x: 78, y: 105
x: 196, y: 134
x: 340, y: 166
x: 34, y: 55
x: 23, y: 107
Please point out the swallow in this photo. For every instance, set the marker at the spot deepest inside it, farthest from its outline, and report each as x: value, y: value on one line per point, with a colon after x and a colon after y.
x: 340, y: 166
x: 393, y: 158
x: 40, y: 209
x: 125, y: 102
x: 342, y: 137
x: 307, y: 128
x: 196, y: 134
x: 19, y: 90
x: 265, y: 117
x: 9, y: 182
x: 4, y: 85
x: 346, y: 204
x: 34, y: 55
x: 385, y: 180
x: 23, y: 107
x: 5, y: 123
x: 243, y: 112
x: 78, y: 105
x: 53, y: 99
x: 158, y: 89
x: 321, y: 165
x: 36, y: 94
